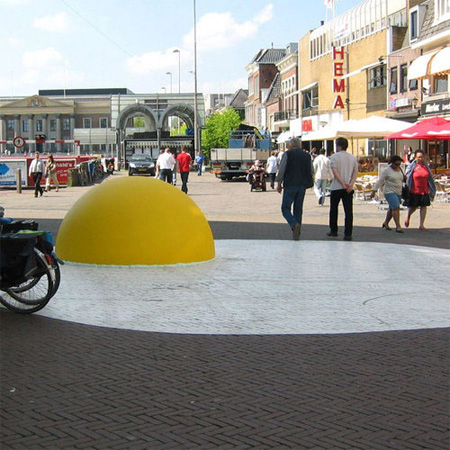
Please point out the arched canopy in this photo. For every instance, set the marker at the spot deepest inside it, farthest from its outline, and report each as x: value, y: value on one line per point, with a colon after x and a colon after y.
x: 134, y: 110
x: 184, y: 112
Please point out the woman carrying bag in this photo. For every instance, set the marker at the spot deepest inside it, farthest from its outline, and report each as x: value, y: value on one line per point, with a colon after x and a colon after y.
x: 421, y: 188
x: 392, y: 179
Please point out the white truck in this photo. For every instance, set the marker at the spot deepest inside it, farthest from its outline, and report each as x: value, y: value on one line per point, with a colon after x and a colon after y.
x: 227, y: 163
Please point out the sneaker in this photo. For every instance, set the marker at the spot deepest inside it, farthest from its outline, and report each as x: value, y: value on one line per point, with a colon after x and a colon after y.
x: 347, y: 238
x: 332, y: 234
x: 296, y: 231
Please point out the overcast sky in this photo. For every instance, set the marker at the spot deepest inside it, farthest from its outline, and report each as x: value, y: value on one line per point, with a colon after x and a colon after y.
x: 51, y: 44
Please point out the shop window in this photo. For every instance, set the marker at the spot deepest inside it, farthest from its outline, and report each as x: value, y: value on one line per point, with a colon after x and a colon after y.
x: 403, y: 78
x: 394, y: 80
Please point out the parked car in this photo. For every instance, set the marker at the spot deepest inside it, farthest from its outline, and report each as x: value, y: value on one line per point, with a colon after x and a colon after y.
x: 141, y: 164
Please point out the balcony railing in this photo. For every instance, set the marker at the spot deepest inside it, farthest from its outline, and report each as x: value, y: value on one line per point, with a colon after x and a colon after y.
x: 288, y: 114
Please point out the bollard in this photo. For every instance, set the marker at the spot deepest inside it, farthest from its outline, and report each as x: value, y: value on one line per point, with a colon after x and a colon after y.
x: 19, y: 181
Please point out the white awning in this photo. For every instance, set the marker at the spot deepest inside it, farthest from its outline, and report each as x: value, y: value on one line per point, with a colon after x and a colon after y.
x: 283, y: 137
x: 440, y: 64
x: 309, y: 86
x: 369, y: 66
x: 419, y: 67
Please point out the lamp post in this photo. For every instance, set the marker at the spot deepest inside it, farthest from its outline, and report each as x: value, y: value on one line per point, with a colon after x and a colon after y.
x: 165, y: 89
x: 195, y: 81
x: 179, y: 67
x: 170, y: 76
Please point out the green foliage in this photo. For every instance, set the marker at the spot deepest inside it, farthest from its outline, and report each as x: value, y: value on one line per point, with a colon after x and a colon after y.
x: 217, y: 129
x: 138, y: 122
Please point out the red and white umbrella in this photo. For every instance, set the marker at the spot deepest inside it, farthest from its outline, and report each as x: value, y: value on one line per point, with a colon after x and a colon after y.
x: 435, y: 128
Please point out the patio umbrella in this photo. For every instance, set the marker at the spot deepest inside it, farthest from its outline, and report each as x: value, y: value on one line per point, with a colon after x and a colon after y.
x: 429, y: 129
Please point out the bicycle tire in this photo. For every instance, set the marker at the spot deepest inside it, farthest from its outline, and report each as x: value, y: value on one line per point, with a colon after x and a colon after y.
x: 20, y: 307
x: 37, y: 289
x: 57, y: 276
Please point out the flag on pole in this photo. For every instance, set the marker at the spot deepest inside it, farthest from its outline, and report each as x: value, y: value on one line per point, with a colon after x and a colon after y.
x: 329, y: 4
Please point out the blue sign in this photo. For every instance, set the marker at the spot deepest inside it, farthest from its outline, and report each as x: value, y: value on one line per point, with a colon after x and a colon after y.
x: 4, y: 169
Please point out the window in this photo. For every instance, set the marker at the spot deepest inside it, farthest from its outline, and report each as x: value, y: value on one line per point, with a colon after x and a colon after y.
x: 103, y: 122
x: 10, y: 125
x: 440, y: 84
x: 39, y: 125
x: 25, y: 125
x: 377, y: 77
x: 413, y: 85
x: 403, y: 78
x: 87, y: 123
x: 311, y: 98
x: 52, y: 124
x: 441, y: 10
x: 414, y: 25
x: 66, y: 124
x: 394, y: 80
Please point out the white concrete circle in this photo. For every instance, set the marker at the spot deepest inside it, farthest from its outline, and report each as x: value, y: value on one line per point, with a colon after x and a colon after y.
x: 266, y: 287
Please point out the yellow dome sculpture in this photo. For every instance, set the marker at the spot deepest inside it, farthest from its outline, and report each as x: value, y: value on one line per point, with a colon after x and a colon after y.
x: 135, y: 221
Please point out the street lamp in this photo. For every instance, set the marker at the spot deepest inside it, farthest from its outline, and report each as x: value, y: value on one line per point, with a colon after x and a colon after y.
x: 165, y: 89
x: 195, y: 81
x: 170, y: 75
x: 179, y: 71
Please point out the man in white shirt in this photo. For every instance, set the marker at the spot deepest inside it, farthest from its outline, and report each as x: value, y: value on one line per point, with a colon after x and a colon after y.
x: 322, y: 172
x: 36, y: 171
x: 166, y: 162
x: 271, y: 168
x: 345, y: 170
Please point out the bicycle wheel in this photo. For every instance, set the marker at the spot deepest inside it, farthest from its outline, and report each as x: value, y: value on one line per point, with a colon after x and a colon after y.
x: 38, y: 288
x: 18, y: 306
x: 56, y: 276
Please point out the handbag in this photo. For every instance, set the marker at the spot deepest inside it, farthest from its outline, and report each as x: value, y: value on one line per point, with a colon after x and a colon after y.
x: 405, y: 188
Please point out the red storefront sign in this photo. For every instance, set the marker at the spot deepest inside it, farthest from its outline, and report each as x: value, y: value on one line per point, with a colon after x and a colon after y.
x: 307, y: 125
x: 338, y: 71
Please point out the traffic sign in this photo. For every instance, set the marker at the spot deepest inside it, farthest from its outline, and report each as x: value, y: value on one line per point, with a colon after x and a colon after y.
x: 19, y: 142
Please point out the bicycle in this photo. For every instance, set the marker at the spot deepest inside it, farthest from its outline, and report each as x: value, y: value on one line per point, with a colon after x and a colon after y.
x: 30, y: 272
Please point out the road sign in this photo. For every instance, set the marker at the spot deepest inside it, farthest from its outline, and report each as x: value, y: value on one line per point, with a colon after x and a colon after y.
x: 19, y: 142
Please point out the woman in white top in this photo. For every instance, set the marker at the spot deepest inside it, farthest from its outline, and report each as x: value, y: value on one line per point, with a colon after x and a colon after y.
x: 392, y: 179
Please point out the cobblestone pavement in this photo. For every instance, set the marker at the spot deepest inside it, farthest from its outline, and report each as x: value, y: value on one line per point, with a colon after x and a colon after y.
x: 68, y: 385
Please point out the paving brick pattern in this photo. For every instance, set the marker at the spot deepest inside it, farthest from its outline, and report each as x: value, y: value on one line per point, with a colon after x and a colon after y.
x: 65, y: 385
x: 71, y: 386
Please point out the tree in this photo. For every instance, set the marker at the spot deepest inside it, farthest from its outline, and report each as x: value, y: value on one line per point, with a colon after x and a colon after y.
x: 218, y: 127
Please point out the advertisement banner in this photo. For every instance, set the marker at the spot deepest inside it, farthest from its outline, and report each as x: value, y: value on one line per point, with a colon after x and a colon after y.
x: 63, y: 164
x: 8, y: 169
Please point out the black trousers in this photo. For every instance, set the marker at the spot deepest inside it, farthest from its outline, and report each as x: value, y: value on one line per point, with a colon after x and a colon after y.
x: 347, y: 201
x: 272, y: 177
x: 184, y: 179
x: 166, y: 175
x: 37, y: 176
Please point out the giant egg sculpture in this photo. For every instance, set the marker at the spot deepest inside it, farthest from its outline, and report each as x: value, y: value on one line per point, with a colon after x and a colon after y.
x: 135, y: 221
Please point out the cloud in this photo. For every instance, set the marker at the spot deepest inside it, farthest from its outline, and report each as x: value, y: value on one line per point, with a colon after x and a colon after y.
x: 221, y: 30
x: 155, y: 61
x: 53, y: 24
x: 41, y: 58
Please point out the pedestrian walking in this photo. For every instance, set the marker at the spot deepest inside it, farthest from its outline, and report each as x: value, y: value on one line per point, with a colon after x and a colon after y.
x: 295, y: 175
x: 199, y: 159
x: 166, y: 162
x: 271, y: 168
x: 391, y: 180
x: 422, y: 188
x: 345, y: 171
x: 184, y: 166
x: 323, y: 174
x: 51, y: 174
x: 36, y: 171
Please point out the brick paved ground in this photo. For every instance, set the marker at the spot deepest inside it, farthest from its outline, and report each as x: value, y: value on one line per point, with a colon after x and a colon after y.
x: 65, y: 385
